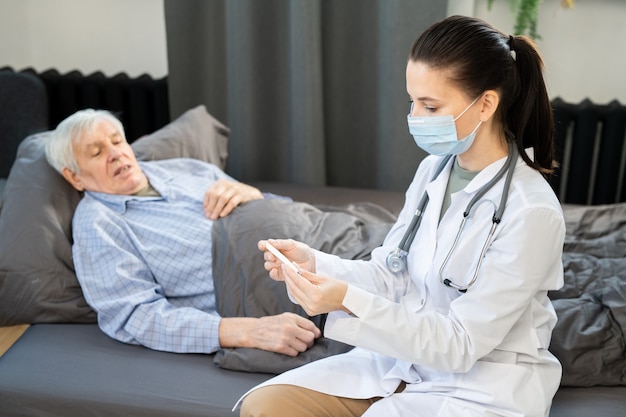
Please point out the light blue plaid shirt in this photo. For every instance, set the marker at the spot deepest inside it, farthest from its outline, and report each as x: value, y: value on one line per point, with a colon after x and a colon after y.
x: 144, y: 263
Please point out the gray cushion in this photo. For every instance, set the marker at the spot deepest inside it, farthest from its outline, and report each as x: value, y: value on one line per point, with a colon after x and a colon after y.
x: 195, y: 134
x: 3, y: 183
x: 37, y: 279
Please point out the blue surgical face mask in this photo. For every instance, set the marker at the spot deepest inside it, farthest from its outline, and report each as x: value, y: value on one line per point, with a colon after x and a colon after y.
x: 437, y: 134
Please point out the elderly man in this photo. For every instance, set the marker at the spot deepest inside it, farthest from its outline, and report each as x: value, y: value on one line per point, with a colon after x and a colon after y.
x: 142, y: 244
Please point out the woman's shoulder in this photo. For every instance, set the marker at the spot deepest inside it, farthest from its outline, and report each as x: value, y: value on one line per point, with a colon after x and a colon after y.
x: 532, y: 190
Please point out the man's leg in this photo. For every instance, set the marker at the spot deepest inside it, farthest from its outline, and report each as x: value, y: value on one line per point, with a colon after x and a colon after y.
x: 294, y: 401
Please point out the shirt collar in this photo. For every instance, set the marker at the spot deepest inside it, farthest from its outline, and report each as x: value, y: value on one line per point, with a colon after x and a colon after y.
x: 490, y: 171
x: 159, y: 179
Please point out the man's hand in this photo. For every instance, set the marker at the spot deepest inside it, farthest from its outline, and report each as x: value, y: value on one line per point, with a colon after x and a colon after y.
x: 286, y: 333
x: 224, y: 195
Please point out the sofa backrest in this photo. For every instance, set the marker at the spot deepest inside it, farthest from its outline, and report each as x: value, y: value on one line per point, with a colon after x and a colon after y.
x: 23, y: 111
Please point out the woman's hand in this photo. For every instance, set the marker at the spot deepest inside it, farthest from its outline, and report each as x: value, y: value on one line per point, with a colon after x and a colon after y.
x: 297, y: 252
x: 224, y: 195
x: 315, y: 293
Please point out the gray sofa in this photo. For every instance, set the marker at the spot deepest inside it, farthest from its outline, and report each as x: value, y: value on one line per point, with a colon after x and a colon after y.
x: 63, y: 365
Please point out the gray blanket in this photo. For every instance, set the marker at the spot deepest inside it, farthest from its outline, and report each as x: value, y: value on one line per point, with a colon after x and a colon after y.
x: 243, y: 287
x: 589, y: 338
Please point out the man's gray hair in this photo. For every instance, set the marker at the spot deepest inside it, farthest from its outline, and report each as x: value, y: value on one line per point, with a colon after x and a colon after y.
x: 59, y: 151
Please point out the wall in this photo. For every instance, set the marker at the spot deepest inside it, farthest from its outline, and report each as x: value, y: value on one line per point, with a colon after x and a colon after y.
x: 111, y: 36
x: 582, y: 47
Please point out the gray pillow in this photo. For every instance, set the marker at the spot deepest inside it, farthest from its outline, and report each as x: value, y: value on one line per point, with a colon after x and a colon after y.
x: 195, y: 134
x: 37, y: 279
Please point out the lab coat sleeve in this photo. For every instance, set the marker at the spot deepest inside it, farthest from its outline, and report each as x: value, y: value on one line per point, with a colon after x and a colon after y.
x: 374, y: 276
x: 522, y: 264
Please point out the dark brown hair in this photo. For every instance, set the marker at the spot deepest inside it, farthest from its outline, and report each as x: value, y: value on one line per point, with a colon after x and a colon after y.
x: 481, y: 58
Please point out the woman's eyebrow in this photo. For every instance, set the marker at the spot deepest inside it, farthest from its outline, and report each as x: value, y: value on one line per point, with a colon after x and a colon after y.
x: 427, y: 98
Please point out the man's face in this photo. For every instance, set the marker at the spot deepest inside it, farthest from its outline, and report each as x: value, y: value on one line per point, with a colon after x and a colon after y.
x: 106, y: 162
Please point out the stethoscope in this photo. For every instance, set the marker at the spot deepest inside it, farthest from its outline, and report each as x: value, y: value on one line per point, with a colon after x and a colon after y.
x: 396, y: 260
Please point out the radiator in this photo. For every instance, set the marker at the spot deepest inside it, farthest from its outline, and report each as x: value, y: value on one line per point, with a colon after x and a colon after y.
x: 141, y: 103
x: 590, y: 150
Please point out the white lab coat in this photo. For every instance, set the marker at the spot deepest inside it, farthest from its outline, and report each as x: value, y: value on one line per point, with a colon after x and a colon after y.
x: 481, y: 353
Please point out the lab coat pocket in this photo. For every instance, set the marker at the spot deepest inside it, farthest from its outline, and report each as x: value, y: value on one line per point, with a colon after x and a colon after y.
x: 501, y: 385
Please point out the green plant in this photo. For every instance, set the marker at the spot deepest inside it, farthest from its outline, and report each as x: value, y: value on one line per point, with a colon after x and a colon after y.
x: 525, y: 13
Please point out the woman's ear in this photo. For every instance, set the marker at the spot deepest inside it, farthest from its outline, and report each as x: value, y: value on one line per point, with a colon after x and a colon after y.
x: 73, y: 178
x: 489, y: 104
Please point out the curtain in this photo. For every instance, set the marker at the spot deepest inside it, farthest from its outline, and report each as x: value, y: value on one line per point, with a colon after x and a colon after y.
x: 312, y: 90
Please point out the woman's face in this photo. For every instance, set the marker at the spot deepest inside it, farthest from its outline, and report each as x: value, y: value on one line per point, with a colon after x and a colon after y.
x: 433, y: 94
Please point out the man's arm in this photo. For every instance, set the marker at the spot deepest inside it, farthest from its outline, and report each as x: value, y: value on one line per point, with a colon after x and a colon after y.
x: 285, y: 333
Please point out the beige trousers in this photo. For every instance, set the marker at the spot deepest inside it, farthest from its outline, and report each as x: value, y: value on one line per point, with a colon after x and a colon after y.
x: 294, y: 401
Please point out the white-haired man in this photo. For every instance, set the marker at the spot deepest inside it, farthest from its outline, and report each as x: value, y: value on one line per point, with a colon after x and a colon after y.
x: 142, y: 244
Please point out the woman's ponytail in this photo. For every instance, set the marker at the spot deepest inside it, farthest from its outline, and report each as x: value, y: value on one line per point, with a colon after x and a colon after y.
x: 530, y: 116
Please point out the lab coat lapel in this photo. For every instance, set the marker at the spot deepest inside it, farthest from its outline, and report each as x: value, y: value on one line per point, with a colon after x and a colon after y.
x: 425, y: 241
x: 484, y: 176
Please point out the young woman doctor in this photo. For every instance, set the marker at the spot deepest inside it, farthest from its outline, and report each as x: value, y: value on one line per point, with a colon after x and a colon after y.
x: 457, y: 322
